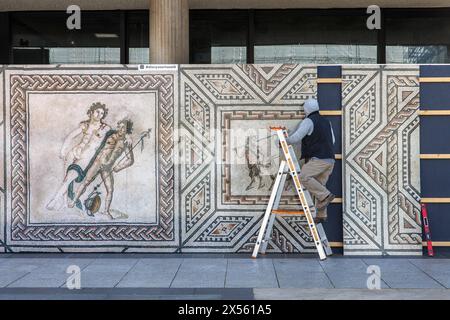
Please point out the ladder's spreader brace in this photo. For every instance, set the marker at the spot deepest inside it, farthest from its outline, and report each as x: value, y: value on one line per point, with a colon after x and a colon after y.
x: 290, y: 165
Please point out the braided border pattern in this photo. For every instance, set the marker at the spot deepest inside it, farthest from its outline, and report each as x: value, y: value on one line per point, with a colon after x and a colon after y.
x: 163, y: 84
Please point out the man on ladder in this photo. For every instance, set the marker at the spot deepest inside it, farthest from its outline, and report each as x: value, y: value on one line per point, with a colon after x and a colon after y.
x: 316, y: 136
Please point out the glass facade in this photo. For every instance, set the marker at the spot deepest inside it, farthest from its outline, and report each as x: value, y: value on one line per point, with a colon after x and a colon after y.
x: 418, y: 37
x: 138, y: 37
x: 43, y: 38
x: 336, y: 36
x: 316, y: 53
x: 315, y: 36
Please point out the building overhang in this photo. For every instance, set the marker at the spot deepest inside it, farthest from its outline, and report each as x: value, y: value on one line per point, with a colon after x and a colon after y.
x: 33, y: 5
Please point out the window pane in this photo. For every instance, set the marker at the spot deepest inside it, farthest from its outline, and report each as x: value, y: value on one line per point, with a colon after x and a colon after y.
x: 138, y: 37
x: 417, y: 54
x: 83, y: 55
x: 4, y: 38
x: 218, y: 36
x: 417, y: 39
x: 313, y: 36
x: 228, y: 54
x: 44, y: 38
x: 139, y: 55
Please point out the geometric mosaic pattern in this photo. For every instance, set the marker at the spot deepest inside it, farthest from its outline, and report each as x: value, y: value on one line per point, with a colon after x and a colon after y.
x: 214, y: 100
x: 381, y: 160
x: 204, y: 201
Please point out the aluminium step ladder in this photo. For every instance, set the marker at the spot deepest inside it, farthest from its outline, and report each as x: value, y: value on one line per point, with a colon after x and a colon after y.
x: 290, y: 166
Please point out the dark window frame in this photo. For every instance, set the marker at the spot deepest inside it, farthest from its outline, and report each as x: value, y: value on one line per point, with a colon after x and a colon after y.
x: 208, y: 12
x: 127, y: 40
x: 6, y: 38
x: 386, y: 13
x: 251, y: 22
x: 124, y: 48
x: 393, y: 13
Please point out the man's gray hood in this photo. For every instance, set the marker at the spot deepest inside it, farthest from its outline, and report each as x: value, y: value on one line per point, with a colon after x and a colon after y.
x: 310, y: 106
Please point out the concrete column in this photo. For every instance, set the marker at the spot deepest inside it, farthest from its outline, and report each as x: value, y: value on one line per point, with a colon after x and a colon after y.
x: 169, y: 31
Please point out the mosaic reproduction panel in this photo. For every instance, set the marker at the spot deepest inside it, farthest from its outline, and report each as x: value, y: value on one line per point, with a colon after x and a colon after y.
x: 227, y: 164
x: 117, y: 159
x: 381, y: 160
x: 89, y: 159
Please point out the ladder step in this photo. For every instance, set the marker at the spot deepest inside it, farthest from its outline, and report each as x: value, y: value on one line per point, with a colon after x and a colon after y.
x: 292, y: 212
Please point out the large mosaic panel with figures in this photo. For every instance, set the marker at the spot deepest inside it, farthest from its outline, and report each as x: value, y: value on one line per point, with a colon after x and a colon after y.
x: 181, y: 158
x: 227, y: 163
x: 89, y: 159
x: 381, y: 166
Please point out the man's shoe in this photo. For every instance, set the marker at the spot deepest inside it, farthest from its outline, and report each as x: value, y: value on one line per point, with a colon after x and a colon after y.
x: 323, y: 204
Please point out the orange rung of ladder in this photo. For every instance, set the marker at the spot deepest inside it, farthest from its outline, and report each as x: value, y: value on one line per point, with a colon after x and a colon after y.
x: 275, y: 128
x: 293, y: 212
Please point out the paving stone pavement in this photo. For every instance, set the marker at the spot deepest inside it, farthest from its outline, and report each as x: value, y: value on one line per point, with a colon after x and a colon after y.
x: 123, y: 273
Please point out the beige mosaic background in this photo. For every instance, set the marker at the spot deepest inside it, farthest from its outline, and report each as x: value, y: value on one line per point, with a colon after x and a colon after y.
x: 194, y: 185
x: 381, y: 167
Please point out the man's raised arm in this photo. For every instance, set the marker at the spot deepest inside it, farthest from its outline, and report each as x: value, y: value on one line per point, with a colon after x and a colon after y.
x: 305, y: 128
